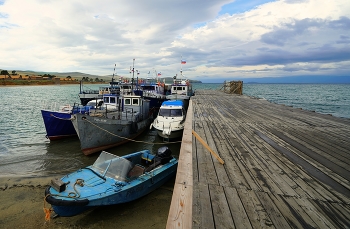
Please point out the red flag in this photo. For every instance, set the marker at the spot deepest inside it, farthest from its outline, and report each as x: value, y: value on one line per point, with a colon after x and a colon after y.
x: 183, y: 61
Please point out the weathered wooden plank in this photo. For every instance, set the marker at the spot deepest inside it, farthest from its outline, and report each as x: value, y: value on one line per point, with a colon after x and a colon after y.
x: 206, y: 164
x: 233, y: 172
x: 309, y: 186
x: 339, y: 219
x: 220, y: 171
x: 293, y: 213
x: 221, y: 210
x: 205, y: 218
x: 238, y: 153
x: 239, y: 215
x: 269, y: 163
x: 275, y: 215
x: 339, y: 177
x: 258, y: 216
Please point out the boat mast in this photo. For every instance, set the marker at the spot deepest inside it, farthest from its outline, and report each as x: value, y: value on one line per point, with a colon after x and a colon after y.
x: 113, y: 73
x: 133, y: 73
x: 181, y: 67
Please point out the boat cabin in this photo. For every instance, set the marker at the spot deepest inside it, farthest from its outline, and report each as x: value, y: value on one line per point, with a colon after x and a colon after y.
x: 136, y: 105
x: 172, y: 108
x: 181, y: 87
x: 112, y: 102
x: 155, y: 90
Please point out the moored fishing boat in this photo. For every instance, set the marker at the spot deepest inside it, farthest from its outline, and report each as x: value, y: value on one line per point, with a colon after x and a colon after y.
x: 181, y: 89
x: 87, y: 94
x: 58, y: 122
x: 153, y: 91
x: 111, y: 180
x: 125, y: 117
x: 170, y: 120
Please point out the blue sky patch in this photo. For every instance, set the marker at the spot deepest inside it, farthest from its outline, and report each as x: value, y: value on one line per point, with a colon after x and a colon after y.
x: 240, y: 6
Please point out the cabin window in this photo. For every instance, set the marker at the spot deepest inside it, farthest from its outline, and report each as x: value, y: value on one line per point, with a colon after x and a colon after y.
x: 175, y: 113
x: 112, y: 100
x: 106, y: 99
x: 135, y: 101
x: 127, y: 101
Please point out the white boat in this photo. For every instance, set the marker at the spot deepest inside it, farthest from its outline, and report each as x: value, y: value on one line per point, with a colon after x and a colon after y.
x: 170, y: 120
x: 181, y: 90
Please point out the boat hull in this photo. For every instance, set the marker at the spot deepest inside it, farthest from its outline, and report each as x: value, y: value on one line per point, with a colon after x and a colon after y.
x: 97, y: 133
x: 58, y: 124
x: 174, y: 135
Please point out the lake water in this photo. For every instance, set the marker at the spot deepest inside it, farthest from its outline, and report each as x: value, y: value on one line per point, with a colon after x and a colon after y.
x: 331, y: 99
x: 24, y: 149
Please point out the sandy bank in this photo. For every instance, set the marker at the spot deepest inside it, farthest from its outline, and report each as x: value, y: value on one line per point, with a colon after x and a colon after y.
x: 22, y: 202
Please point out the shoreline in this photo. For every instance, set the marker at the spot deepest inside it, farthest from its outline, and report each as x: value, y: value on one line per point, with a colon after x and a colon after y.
x: 22, y: 201
x: 49, y: 84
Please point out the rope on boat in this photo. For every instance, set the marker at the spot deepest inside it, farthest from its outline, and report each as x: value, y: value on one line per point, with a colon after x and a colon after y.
x: 47, y: 211
x: 75, y: 194
x: 68, y: 119
x: 129, y: 139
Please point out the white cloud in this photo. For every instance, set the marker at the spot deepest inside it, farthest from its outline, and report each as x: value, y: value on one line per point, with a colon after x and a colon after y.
x: 278, y: 38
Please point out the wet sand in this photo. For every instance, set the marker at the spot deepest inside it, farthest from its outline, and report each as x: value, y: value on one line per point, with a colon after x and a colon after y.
x: 22, y: 202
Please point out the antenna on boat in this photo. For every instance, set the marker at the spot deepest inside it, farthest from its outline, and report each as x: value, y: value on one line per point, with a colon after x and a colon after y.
x: 133, y: 73
x: 181, y: 68
x: 113, y: 73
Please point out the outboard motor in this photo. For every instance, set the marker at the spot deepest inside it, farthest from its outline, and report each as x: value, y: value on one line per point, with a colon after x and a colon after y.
x: 163, y: 155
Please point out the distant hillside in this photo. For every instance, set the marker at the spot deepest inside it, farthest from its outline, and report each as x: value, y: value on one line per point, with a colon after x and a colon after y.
x: 79, y: 75
x: 76, y: 75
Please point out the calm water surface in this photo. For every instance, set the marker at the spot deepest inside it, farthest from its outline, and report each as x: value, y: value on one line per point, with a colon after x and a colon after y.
x: 24, y: 150
x: 323, y: 98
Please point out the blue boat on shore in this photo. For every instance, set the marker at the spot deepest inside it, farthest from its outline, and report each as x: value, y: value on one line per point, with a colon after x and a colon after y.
x: 111, y: 180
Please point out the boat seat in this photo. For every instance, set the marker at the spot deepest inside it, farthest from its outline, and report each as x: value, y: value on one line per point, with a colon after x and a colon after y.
x: 136, y: 171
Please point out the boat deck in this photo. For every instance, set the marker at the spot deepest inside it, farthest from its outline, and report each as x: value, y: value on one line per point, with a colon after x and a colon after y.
x: 284, y: 167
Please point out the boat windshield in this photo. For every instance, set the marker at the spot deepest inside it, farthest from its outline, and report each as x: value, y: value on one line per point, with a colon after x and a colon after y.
x: 170, y: 112
x: 112, y: 166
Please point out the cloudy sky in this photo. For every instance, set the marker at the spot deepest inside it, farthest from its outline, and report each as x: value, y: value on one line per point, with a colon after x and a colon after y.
x: 218, y: 39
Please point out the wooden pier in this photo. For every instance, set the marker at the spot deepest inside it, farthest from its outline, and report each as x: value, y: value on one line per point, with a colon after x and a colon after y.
x: 284, y: 167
